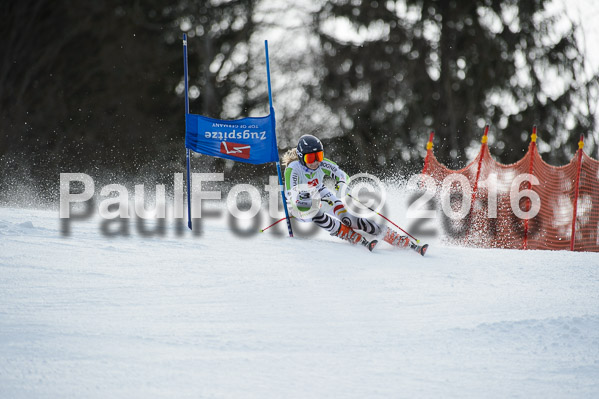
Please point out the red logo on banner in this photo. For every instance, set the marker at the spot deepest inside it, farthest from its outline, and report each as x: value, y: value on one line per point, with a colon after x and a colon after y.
x: 235, y: 149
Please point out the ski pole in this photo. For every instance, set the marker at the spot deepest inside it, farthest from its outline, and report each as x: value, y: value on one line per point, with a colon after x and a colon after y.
x: 280, y: 220
x: 383, y: 216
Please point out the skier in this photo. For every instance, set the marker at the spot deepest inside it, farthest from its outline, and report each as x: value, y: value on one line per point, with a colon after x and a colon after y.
x: 305, y: 170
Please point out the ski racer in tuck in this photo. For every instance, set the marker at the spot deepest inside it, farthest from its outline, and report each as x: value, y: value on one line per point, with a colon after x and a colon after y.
x: 304, y: 184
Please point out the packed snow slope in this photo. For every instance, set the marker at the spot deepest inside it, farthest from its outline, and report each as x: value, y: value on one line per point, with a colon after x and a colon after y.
x: 264, y: 316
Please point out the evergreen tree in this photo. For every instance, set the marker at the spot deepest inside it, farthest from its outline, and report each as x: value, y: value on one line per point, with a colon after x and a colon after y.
x: 397, y: 69
x: 98, y: 86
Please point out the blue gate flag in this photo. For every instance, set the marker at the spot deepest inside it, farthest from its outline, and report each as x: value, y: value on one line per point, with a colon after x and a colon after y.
x: 250, y: 140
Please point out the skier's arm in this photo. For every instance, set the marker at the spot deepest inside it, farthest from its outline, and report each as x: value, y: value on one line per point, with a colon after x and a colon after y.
x: 332, y: 170
x: 292, y: 184
x: 301, y: 199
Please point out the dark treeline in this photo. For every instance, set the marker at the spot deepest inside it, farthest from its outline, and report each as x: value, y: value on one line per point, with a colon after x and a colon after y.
x: 97, y: 86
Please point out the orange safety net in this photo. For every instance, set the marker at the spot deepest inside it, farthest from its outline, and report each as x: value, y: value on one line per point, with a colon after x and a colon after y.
x: 497, y: 217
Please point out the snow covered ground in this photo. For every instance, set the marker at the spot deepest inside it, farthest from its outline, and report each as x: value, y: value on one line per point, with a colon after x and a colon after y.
x: 223, y: 316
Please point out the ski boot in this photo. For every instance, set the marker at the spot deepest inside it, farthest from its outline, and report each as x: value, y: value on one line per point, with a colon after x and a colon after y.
x: 347, y: 233
x: 397, y: 240
x: 421, y: 249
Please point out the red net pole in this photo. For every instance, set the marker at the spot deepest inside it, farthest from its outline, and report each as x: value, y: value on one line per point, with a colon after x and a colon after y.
x: 533, y: 143
x: 429, y: 148
x: 478, y: 167
x: 576, y: 189
x: 480, y: 161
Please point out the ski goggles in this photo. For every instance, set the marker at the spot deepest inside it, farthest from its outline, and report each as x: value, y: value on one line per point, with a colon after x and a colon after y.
x: 314, y: 156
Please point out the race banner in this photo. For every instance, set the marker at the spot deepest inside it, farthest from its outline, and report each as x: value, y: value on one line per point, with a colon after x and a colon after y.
x: 249, y: 140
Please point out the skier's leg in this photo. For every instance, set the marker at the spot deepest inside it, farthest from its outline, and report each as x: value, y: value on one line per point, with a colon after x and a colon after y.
x: 335, y: 228
x: 355, y: 222
x: 368, y: 226
x: 326, y: 222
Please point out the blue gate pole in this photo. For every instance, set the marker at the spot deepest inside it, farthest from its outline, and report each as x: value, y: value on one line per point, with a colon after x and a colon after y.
x: 272, y: 115
x: 187, y: 112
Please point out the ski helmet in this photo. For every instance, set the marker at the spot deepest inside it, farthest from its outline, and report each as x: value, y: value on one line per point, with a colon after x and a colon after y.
x: 308, y: 144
